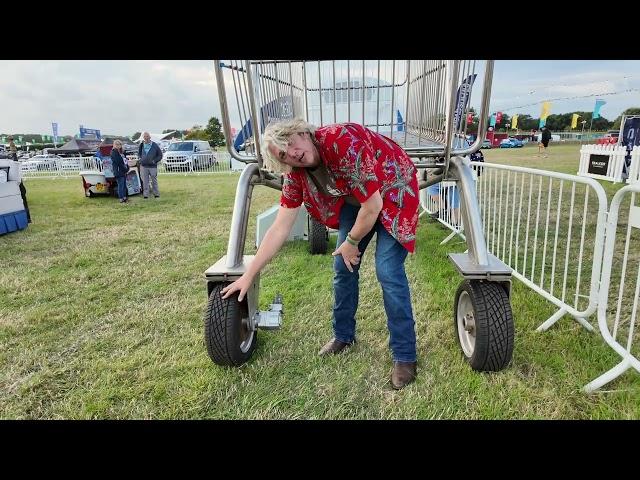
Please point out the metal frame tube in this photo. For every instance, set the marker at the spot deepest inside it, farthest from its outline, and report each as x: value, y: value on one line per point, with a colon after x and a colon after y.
x: 240, y: 218
x: 254, y: 113
x: 224, y: 111
x: 470, y: 213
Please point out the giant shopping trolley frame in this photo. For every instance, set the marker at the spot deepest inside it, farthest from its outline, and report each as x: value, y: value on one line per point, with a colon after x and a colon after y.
x: 420, y: 104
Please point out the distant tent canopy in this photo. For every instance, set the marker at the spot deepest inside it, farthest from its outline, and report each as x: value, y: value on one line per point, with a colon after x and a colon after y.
x: 158, y: 137
x: 76, y: 146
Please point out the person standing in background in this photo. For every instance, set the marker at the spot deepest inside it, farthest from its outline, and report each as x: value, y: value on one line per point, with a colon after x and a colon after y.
x: 150, y: 155
x: 120, y: 168
x: 545, y: 136
x: 13, y: 150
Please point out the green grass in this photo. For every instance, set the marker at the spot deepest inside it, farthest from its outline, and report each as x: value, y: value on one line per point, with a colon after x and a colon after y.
x: 101, y: 317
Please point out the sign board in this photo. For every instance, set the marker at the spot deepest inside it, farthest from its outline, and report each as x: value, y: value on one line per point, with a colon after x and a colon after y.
x: 598, y: 164
x: 629, y: 138
x: 90, y: 132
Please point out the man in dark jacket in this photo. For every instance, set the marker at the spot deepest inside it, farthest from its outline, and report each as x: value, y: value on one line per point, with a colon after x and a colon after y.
x: 120, y: 168
x: 545, y: 136
x: 149, y: 155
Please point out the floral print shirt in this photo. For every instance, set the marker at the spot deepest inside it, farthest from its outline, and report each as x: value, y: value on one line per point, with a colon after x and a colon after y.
x: 362, y: 162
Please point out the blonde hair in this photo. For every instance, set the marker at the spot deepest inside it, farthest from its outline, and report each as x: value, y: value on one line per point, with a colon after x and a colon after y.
x: 278, y: 135
x: 117, y: 143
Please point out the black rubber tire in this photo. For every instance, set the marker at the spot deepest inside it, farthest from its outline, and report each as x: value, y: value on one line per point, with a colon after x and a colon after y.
x: 224, y: 329
x: 494, y: 330
x: 318, y: 237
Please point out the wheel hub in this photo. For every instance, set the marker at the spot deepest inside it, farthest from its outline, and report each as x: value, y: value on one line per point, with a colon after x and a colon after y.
x: 469, y: 324
x: 246, y: 334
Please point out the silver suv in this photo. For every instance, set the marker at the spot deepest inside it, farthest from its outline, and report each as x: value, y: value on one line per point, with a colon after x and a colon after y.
x: 188, y: 156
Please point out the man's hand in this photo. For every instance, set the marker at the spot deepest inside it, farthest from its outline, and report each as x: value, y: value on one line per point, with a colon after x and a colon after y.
x: 242, y: 284
x: 350, y: 254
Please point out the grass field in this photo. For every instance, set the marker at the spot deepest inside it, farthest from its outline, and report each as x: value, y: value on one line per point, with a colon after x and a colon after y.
x: 101, y: 310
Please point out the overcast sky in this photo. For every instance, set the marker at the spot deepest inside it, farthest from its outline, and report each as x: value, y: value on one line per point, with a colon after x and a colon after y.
x: 122, y: 97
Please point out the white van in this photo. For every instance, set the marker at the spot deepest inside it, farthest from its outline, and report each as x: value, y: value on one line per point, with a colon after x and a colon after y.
x: 188, y: 156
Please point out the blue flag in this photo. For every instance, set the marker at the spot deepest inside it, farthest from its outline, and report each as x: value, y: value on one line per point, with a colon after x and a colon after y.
x: 596, y: 109
x: 463, y: 99
x: 492, y: 122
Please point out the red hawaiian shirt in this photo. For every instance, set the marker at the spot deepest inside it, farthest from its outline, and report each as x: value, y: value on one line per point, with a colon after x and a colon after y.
x: 361, y: 162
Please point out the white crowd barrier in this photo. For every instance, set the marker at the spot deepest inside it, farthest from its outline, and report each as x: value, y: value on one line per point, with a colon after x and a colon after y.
x: 549, y: 228
x: 217, y: 162
x: 620, y: 286
x: 50, y: 167
x: 558, y: 235
x: 442, y: 203
x: 604, y: 162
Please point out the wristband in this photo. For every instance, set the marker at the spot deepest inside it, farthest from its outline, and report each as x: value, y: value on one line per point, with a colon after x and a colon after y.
x: 352, y: 241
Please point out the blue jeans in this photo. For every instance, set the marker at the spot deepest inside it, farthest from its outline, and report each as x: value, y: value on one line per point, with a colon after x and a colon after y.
x: 390, y: 257
x: 122, y: 187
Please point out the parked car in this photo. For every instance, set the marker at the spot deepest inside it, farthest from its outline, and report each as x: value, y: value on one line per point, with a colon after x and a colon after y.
x: 613, y: 133
x: 486, y: 143
x: 188, y: 156
x: 511, y: 142
x: 610, y: 138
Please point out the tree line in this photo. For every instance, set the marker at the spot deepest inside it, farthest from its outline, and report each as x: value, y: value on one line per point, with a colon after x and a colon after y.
x: 555, y: 123
x: 211, y: 133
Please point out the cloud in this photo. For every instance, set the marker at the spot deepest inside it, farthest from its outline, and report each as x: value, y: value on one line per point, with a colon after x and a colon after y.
x: 521, y: 83
x: 122, y: 97
x: 117, y: 97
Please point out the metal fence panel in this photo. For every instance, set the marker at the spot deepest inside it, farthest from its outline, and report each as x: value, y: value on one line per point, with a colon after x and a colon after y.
x: 620, y: 286
x: 549, y: 228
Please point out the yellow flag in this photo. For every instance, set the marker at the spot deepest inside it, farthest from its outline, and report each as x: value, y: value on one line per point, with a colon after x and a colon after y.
x: 514, y: 121
x: 546, y: 107
x: 574, y: 120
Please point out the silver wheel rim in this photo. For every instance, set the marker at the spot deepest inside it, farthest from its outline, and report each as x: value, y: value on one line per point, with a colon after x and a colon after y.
x: 466, y: 324
x: 246, y: 335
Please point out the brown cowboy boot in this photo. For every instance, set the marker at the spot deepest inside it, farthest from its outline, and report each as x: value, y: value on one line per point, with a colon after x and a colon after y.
x: 334, y: 346
x: 403, y: 374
